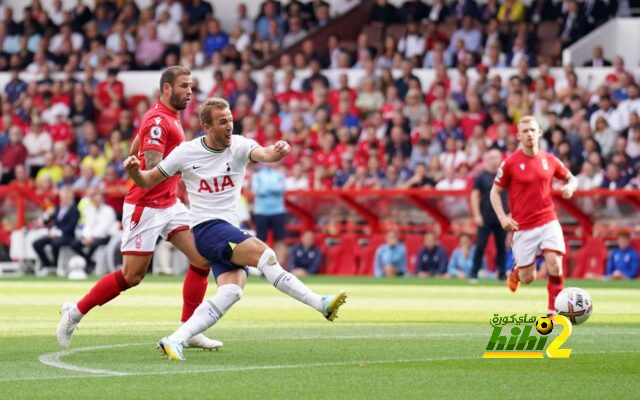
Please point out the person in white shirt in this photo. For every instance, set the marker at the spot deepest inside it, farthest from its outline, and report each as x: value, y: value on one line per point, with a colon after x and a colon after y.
x: 632, y: 104
x: 99, y: 224
x: 213, y: 168
x: 169, y: 32
x: 173, y: 7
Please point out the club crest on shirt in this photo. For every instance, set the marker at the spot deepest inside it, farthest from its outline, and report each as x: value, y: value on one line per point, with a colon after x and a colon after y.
x: 522, y: 167
x: 545, y: 164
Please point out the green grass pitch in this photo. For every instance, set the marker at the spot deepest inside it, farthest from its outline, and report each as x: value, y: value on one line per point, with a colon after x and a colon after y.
x: 395, y: 339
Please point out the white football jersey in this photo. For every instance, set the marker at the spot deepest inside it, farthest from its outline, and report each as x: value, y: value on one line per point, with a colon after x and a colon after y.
x: 213, y: 178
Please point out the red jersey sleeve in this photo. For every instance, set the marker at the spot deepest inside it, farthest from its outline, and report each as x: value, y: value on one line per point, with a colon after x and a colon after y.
x: 154, y: 134
x: 560, y: 171
x: 503, y: 176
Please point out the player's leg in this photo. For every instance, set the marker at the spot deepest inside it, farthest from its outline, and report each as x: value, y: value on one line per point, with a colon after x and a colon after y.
x: 230, y: 285
x: 500, y: 236
x: 255, y: 253
x: 197, y: 277
x: 481, y: 244
x: 553, y: 249
x: 525, y: 248
x: 138, y: 242
x: 106, y: 289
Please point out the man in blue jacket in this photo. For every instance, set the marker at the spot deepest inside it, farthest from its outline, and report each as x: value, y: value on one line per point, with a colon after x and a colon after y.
x: 623, y: 261
x: 269, y: 213
x: 432, y: 259
x: 391, y: 257
x: 305, y: 258
x: 62, y: 232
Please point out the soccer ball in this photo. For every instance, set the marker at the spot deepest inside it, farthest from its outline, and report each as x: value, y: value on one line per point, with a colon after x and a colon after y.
x: 575, y: 304
x: 544, y: 325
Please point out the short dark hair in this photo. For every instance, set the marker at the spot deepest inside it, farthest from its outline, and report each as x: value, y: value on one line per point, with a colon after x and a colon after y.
x: 170, y: 75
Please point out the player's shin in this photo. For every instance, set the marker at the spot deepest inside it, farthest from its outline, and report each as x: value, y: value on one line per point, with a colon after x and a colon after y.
x: 209, y: 312
x: 193, y: 290
x: 286, y: 282
x: 105, y: 290
x: 555, y: 284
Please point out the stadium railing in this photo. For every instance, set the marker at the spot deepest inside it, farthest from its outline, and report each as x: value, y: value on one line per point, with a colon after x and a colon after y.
x: 350, y: 224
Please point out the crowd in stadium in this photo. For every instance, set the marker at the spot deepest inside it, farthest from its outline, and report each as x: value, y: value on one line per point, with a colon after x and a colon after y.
x: 380, y: 132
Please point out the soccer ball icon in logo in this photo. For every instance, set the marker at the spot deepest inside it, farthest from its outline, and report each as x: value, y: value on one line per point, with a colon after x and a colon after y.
x: 575, y: 304
x: 544, y: 325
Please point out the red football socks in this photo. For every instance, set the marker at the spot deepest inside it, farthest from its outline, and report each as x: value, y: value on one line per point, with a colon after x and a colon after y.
x: 193, y: 290
x: 105, y: 290
x: 555, y: 284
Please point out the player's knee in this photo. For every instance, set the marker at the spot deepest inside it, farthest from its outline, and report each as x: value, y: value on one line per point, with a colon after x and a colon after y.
x: 267, y: 259
x: 133, y: 278
x: 526, y: 279
x: 199, y: 262
x: 233, y: 291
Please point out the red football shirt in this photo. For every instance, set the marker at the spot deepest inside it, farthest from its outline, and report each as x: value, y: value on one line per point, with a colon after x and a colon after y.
x: 528, y: 183
x: 160, y: 130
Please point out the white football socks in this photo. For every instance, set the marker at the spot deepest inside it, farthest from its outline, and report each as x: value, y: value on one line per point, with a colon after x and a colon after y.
x: 75, y: 313
x: 286, y: 282
x: 209, y: 312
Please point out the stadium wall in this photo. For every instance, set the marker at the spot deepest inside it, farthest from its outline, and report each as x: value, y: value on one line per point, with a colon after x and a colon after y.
x: 612, y: 37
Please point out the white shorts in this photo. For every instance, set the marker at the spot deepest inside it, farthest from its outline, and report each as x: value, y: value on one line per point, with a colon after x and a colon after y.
x: 531, y: 243
x: 142, y: 225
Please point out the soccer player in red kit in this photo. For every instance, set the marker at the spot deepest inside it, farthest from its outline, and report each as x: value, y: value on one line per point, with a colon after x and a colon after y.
x: 150, y: 213
x: 527, y: 175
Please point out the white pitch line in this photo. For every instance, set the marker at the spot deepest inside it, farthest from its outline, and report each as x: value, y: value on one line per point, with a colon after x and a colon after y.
x: 53, y: 359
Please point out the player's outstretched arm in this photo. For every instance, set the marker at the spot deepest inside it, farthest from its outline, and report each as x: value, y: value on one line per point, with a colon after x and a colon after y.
x: 507, y: 222
x: 144, y: 179
x: 273, y: 153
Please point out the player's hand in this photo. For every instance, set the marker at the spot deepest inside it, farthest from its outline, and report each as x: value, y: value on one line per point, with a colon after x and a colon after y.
x: 567, y: 191
x: 509, y: 224
x: 282, y: 148
x: 131, y: 164
x: 478, y: 220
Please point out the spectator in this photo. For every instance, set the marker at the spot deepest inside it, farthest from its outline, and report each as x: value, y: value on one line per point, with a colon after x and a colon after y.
x: 588, y: 178
x: 96, y: 232
x: 268, y: 186
x: 391, y: 257
x: 383, y: 12
x: 173, y: 8
x: 598, y: 59
x: 150, y: 50
x: 62, y: 223
x: 110, y: 90
x: 96, y: 160
x: 305, y: 258
x: 87, y: 179
x: 12, y: 155
x: 37, y: 142
x: 50, y: 169
x: 461, y: 262
x: 511, y: 11
x: 574, y: 24
x: 485, y: 217
x: 439, y: 11
x: 623, y: 262
x: 16, y: 86
x: 296, y: 32
x: 607, y: 110
x: 420, y: 179
x: 471, y: 37
x: 432, y: 258
x: 605, y: 136
x: 168, y: 31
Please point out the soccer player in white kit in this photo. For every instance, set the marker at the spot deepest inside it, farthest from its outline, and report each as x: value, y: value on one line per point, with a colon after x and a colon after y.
x: 527, y: 175
x: 213, y: 168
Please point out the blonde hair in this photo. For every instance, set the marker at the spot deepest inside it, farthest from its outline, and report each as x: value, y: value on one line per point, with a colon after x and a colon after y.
x: 526, y: 119
x: 213, y: 103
